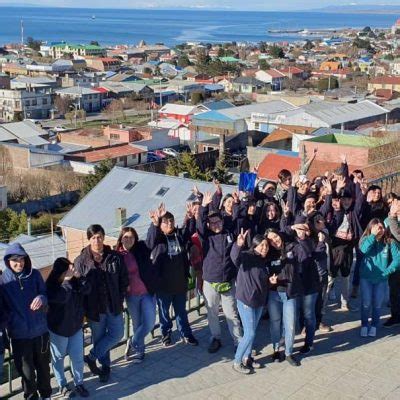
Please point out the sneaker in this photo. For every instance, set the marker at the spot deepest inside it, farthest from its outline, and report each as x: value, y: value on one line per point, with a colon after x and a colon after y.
x: 306, y: 349
x: 252, y: 364
x: 391, y: 322
x: 82, y: 391
x: 190, y: 340
x: 241, y: 368
x: 65, y: 392
x: 166, y: 340
x: 105, y: 374
x: 128, y: 350
x: 214, y: 346
x: 137, y: 358
x: 364, y: 331
x: 372, y: 331
x: 94, y: 369
x: 278, y: 356
x: 325, y: 328
x: 293, y: 361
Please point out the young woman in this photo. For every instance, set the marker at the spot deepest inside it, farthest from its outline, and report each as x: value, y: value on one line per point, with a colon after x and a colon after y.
x: 65, y: 292
x: 251, y: 293
x: 270, y: 217
x: 380, y: 258
x: 282, y: 296
x: 140, y: 298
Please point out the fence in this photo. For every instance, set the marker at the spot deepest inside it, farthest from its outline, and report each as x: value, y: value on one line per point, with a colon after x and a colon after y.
x: 8, y: 360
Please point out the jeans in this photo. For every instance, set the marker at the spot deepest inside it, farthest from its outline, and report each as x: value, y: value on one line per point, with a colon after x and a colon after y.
x: 356, y: 272
x: 142, y: 310
x: 60, y: 346
x: 227, y: 299
x: 344, y: 283
x: 178, y: 302
x: 106, y: 333
x: 250, y: 317
x: 372, y: 295
x: 32, y: 359
x: 307, y: 304
x: 394, y: 293
x: 282, y: 310
x: 322, y: 301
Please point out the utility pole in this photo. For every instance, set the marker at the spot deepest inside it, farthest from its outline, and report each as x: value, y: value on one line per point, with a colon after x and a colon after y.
x: 29, y: 228
x: 22, y: 33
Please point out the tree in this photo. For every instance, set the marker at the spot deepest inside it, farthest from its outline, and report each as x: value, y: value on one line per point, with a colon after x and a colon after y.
x: 276, y: 51
x: 115, y: 110
x: 221, y: 173
x: 263, y: 46
x: 33, y: 44
x: 308, y: 45
x: 196, y: 97
x: 185, y: 162
x: 183, y: 61
x: 328, y: 84
x: 100, y: 171
x: 263, y: 64
x: 294, y: 83
x: 202, y: 61
x: 12, y: 224
x: 63, y: 104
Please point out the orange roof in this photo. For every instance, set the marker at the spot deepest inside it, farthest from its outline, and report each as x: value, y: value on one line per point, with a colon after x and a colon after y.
x: 274, y: 73
x: 388, y: 80
x: 291, y: 70
x: 273, y: 163
x: 110, y: 152
x: 277, y: 134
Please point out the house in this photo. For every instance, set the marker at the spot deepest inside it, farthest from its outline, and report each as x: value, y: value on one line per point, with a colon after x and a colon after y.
x: 274, y: 162
x: 125, y: 134
x: 103, y: 63
x: 330, y: 66
x: 35, y: 104
x: 292, y: 72
x: 36, y: 82
x: 42, y: 250
x: 76, y: 50
x: 384, y: 82
x: 123, y: 77
x: 24, y: 132
x: 272, y: 76
x: 85, y: 98
x: 243, y: 84
x: 123, y: 198
x: 175, y: 128
x: 179, y: 112
x: 86, y: 79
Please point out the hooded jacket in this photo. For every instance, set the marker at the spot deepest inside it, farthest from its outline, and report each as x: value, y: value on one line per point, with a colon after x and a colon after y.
x: 19, y: 292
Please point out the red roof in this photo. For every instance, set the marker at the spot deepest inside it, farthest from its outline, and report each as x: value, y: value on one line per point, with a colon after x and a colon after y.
x: 110, y: 152
x: 273, y: 163
x: 291, y: 70
x: 274, y: 73
x: 100, y: 89
x: 388, y: 80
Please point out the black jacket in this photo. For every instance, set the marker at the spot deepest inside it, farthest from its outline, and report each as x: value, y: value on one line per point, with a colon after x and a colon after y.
x: 4, y: 343
x: 114, y: 271
x: 66, y: 306
x: 252, y: 278
x: 217, y: 263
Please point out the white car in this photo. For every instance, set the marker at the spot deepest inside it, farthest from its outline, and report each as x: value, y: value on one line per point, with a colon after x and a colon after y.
x: 59, y: 128
x: 170, y: 152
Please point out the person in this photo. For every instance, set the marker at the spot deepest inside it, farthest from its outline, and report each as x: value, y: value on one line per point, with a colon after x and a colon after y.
x: 282, y: 297
x: 66, y: 290
x: 270, y: 217
x: 107, y: 275
x: 219, y: 273
x: 251, y: 294
x: 380, y: 259
x: 3, y: 335
x: 167, y: 244
x: 284, y: 182
x: 25, y: 299
x: 140, y: 299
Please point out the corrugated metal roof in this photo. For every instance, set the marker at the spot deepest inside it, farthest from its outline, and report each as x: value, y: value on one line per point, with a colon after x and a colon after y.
x: 25, y: 132
x: 99, y: 206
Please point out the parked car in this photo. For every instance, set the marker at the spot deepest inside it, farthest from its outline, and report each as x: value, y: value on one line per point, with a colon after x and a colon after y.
x: 160, y: 153
x: 170, y: 152
x: 152, y: 156
x: 59, y: 128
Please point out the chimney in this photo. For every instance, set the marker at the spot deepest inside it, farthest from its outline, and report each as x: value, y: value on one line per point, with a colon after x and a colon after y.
x: 120, y: 216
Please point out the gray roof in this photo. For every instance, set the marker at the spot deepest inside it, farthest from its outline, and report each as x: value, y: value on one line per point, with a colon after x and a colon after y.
x: 159, y: 139
x: 100, y: 204
x: 25, y: 132
x: 76, y: 90
x: 40, y: 249
x: 65, y: 148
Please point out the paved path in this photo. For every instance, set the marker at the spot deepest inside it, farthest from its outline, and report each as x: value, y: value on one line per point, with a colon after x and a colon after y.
x: 342, y: 366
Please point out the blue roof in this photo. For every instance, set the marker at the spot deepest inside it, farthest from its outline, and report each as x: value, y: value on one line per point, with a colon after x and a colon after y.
x: 213, y: 86
x: 213, y: 115
x: 218, y: 105
x: 288, y: 153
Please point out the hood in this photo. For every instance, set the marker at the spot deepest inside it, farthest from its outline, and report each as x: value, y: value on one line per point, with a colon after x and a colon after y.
x: 17, y: 249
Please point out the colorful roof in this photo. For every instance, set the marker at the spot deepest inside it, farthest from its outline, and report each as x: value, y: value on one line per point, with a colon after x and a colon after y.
x: 273, y: 163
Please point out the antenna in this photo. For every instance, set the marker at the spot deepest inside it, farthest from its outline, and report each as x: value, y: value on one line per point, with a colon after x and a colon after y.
x: 22, y: 32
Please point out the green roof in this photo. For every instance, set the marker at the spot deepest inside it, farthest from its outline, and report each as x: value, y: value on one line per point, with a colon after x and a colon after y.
x: 229, y: 59
x: 349, y: 140
x: 78, y: 46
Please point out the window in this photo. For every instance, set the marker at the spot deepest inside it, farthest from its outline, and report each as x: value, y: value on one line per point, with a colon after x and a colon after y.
x: 130, y: 186
x: 44, y: 101
x: 34, y: 102
x: 27, y: 103
x: 114, y: 136
x: 161, y: 192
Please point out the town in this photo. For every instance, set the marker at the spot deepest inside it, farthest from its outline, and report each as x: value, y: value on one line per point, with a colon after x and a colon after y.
x: 93, y: 134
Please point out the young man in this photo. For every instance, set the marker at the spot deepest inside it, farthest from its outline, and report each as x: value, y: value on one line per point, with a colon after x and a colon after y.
x: 168, y: 252
x: 25, y: 299
x: 218, y: 273
x: 107, y: 275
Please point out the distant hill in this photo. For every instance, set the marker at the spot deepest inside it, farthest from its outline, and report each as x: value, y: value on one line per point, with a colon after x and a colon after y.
x: 361, y: 9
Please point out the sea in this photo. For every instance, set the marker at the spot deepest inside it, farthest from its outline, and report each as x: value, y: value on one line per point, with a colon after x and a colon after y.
x: 117, y: 26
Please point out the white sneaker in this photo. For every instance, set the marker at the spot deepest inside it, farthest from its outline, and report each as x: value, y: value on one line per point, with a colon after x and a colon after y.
x: 372, y: 331
x: 364, y: 331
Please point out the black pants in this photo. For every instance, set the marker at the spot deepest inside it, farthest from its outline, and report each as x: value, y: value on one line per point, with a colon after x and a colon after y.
x: 319, y: 305
x: 394, y: 291
x: 32, y: 361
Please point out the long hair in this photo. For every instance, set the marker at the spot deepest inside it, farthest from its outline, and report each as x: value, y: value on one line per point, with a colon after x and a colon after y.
x: 124, y: 230
x: 281, y: 252
x: 60, y: 266
x: 367, y: 232
x: 263, y: 217
x: 257, y: 239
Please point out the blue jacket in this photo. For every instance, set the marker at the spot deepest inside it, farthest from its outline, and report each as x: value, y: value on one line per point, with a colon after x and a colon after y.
x: 19, y: 293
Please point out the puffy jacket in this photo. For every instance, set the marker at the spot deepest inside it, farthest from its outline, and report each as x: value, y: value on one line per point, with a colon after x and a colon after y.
x: 19, y: 293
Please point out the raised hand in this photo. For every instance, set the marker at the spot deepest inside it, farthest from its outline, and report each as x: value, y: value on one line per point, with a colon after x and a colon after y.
x: 235, y: 196
x: 190, y: 210
x: 195, y: 190
x: 286, y: 209
x: 340, y: 183
x: 154, y: 216
x: 295, y: 178
x: 255, y: 169
x: 375, y: 230
x: 343, y: 158
x: 161, y: 210
x: 207, y: 199
x: 321, y: 237
x: 241, y: 239
x: 273, y: 280
x: 394, y: 208
x: 326, y: 183
x: 364, y: 186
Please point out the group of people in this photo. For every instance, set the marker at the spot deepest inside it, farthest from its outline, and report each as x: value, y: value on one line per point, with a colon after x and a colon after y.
x: 280, y: 248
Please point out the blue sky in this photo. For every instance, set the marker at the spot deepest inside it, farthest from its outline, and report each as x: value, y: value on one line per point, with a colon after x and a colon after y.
x: 201, y: 4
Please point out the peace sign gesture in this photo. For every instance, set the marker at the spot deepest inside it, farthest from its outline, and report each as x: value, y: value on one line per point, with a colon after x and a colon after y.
x: 241, y: 239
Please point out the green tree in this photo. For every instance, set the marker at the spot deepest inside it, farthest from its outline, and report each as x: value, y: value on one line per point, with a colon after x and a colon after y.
x: 183, y: 61
x: 263, y: 64
x: 276, y: 51
x: 196, y: 97
x: 12, y: 224
x: 33, y: 44
x: 185, y: 162
x: 100, y: 171
x: 263, y: 47
x: 327, y: 84
x: 221, y: 173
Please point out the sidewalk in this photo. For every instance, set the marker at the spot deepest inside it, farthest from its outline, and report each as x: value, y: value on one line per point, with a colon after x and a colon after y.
x: 342, y: 366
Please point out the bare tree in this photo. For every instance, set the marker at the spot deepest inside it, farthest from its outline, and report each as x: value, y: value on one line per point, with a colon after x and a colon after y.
x: 115, y: 110
x: 62, y: 104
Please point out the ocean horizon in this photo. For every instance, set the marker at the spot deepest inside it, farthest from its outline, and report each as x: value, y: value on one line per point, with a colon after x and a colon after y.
x: 130, y: 26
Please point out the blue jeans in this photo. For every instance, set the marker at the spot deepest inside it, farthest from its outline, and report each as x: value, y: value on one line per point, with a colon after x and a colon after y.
x: 307, y: 304
x: 356, y: 272
x: 142, y: 310
x: 178, y: 301
x: 106, y: 333
x: 60, y: 346
x: 281, y: 309
x: 372, y: 295
x: 250, y: 317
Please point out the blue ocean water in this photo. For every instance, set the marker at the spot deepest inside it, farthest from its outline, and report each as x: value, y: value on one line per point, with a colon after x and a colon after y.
x: 116, y: 26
